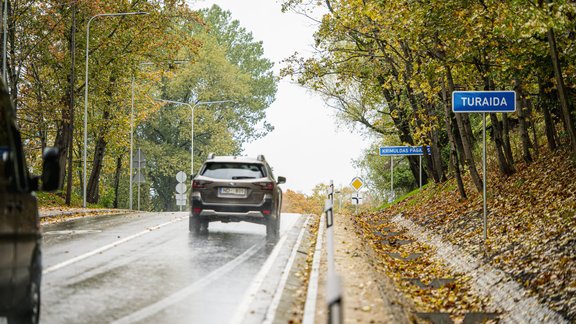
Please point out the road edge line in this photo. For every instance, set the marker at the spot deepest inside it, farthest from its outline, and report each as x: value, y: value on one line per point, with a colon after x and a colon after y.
x: 179, y: 295
x: 271, y: 312
x: 108, y: 246
x: 248, y: 297
x: 312, y: 291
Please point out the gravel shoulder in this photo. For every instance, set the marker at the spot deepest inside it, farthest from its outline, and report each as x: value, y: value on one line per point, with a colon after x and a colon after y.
x: 368, y: 296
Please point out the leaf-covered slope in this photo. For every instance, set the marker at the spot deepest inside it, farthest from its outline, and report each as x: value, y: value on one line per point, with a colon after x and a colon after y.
x: 531, y: 226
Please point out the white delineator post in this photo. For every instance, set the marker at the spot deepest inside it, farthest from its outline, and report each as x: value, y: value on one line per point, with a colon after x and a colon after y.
x: 334, y: 284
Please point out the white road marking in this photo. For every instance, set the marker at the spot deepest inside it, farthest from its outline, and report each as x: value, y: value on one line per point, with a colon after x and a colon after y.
x: 252, y: 291
x: 257, y: 282
x: 271, y: 313
x: 197, y: 285
x: 73, y: 232
x: 312, y: 293
x: 108, y: 247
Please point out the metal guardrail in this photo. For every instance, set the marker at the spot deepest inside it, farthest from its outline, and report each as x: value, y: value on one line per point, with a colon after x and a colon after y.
x: 334, y: 298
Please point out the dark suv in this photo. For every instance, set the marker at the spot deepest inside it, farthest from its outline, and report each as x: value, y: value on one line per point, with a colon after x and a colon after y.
x: 235, y: 189
x: 20, y: 253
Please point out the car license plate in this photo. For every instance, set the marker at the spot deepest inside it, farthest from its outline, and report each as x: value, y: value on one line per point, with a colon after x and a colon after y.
x: 227, y: 191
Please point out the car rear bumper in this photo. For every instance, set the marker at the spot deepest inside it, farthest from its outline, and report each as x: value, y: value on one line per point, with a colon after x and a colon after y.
x: 227, y: 217
x: 232, y: 213
x: 213, y: 213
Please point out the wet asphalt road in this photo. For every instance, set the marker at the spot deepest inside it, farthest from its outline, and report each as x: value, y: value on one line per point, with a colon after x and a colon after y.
x: 146, y: 268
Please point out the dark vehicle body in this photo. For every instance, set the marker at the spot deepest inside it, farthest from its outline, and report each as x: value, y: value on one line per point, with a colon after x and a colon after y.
x: 235, y: 189
x: 20, y: 238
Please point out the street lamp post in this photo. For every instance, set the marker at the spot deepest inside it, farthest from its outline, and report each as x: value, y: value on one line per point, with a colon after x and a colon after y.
x: 4, y: 42
x: 192, y: 107
x: 132, y: 127
x: 84, y: 184
x: 131, y: 141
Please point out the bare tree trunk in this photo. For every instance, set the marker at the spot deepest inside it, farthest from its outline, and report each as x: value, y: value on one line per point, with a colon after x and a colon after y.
x: 535, y: 142
x: 451, y: 130
x: 65, y: 131
x: 71, y: 105
x: 92, y: 194
x: 498, y: 135
x: 562, y: 95
x: 117, y: 179
x: 401, y: 123
x: 435, y: 147
x: 436, y: 158
x: 457, y: 139
x: 467, y: 147
x: 520, y: 104
x: 497, y: 138
x: 92, y: 190
x: 549, y: 126
x: 433, y: 168
x: 506, y: 142
x: 430, y: 167
x: 466, y: 137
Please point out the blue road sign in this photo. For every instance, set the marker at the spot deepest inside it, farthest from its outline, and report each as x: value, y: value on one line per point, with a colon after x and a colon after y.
x: 483, y: 101
x: 402, y: 150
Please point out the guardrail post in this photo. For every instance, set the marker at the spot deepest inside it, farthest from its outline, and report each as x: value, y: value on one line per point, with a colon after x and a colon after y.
x: 334, y: 285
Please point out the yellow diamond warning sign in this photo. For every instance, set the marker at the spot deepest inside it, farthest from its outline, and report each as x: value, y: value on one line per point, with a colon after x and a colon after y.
x: 357, y: 183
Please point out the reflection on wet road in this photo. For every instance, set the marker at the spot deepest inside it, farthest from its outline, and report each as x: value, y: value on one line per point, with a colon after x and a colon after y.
x: 147, y: 268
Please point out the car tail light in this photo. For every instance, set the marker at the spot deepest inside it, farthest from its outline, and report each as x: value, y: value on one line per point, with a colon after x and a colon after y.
x: 266, y: 185
x: 199, y: 184
x: 266, y: 212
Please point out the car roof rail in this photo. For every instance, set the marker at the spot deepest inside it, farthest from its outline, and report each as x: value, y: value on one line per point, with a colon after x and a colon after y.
x: 211, y: 156
x: 260, y: 158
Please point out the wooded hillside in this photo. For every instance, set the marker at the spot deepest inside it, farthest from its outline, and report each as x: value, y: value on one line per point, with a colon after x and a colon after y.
x: 169, y: 52
x: 392, y: 66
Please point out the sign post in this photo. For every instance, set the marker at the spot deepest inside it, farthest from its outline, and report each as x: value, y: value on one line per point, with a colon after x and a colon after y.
x: 393, y: 151
x: 357, y: 183
x: 484, y: 102
x: 181, y: 189
x: 392, y: 179
x: 138, y: 162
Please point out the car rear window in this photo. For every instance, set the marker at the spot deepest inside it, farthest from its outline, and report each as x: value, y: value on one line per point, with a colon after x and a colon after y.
x: 234, y: 171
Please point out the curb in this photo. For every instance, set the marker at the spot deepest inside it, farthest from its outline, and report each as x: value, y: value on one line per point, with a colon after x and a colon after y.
x: 46, y: 215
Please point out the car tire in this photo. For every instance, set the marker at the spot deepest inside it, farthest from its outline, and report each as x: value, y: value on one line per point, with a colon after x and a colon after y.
x: 278, y: 223
x: 31, y: 312
x: 273, y: 226
x: 271, y: 233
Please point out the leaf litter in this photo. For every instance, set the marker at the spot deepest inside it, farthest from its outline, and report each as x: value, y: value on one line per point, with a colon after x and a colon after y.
x: 531, y: 237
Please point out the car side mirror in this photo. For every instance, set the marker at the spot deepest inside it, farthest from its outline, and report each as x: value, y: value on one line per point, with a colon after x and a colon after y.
x: 50, y: 170
x: 281, y: 180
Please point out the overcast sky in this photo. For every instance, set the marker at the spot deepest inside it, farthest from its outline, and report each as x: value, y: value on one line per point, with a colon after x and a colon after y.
x: 306, y: 146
